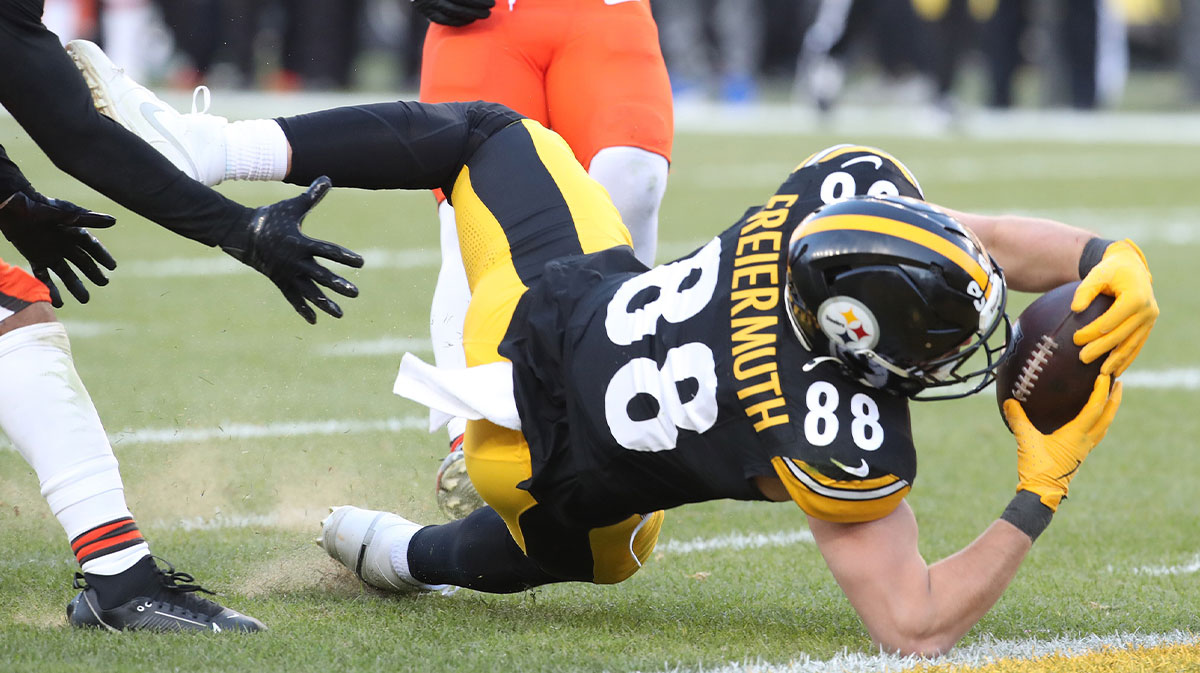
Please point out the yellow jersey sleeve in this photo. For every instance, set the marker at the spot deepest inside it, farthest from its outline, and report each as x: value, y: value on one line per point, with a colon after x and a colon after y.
x: 837, y: 500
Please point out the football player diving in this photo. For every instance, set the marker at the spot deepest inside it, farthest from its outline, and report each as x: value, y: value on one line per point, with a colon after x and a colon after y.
x: 775, y: 362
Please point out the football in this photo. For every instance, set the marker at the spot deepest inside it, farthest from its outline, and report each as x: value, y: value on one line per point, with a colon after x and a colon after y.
x: 1043, y: 370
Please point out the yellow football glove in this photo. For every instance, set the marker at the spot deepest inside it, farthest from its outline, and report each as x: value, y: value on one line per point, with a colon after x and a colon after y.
x: 1122, y: 330
x: 1046, y: 463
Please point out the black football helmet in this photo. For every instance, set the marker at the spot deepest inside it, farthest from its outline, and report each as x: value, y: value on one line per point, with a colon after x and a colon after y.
x: 899, y: 293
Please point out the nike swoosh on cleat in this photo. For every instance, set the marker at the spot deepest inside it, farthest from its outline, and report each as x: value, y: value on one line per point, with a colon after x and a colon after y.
x: 177, y: 618
x: 860, y: 471
x: 150, y: 113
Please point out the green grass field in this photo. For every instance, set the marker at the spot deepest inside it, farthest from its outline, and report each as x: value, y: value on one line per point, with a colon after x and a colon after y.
x: 214, y: 391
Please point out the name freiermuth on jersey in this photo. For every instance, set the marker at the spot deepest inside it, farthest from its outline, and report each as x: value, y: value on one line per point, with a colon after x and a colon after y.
x: 687, y: 381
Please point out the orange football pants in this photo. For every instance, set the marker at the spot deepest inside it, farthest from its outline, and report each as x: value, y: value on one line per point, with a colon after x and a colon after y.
x: 18, y: 289
x: 590, y: 71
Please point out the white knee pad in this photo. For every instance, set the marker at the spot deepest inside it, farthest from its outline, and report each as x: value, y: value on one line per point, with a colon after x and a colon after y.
x: 448, y: 314
x: 48, y: 415
x: 636, y: 180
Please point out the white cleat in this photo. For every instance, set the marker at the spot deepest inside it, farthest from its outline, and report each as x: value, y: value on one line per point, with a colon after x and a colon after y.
x: 194, y: 142
x: 456, y: 495
x: 362, y: 540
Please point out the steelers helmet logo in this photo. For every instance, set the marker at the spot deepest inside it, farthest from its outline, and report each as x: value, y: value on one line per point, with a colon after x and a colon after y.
x: 848, y: 323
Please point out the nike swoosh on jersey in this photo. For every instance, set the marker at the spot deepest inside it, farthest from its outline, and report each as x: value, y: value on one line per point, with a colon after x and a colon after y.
x: 150, y: 112
x: 860, y: 471
x: 617, y: 2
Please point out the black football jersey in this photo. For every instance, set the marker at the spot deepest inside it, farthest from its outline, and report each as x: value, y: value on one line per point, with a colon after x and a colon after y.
x: 644, y: 389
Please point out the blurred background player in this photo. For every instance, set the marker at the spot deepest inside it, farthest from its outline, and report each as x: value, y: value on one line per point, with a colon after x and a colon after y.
x: 728, y: 66
x: 44, y: 407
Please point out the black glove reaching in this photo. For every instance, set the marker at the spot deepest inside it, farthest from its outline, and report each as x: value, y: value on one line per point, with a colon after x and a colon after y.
x: 52, y: 232
x: 454, y: 12
x: 272, y: 243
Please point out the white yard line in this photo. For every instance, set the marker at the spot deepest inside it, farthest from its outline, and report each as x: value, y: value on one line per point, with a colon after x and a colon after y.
x: 1183, y: 378
x: 908, y: 121
x: 1148, y: 225
x: 987, y: 651
x: 895, y: 119
x: 1190, y: 568
x: 221, y: 265
x: 734, y: 541
x: 1172, y: 379
x: 256, y: 431
x: 372, y: 347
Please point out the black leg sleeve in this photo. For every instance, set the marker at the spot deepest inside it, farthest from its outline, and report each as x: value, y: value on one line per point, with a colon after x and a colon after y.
x: 48, y: 97
x: 477, y: 553
x: 401, y: 145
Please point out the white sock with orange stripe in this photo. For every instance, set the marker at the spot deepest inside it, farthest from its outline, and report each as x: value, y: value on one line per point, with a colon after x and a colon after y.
x: 48, y: 415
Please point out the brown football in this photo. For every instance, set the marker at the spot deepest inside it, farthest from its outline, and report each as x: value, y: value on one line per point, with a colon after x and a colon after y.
x: 1043, y: 370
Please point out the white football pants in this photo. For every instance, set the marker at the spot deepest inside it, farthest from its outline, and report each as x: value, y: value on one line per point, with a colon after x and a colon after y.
x: 48, y: 415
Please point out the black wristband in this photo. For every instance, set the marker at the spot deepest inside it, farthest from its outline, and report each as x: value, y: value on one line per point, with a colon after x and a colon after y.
x: 1028, y: 514
x: 1093, y: 252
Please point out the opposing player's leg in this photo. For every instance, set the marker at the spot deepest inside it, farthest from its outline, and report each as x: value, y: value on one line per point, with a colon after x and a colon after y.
x: 636, y: 180
x: 47, y: 413
x: 501, y: 59
x: 456, y: 496
x: 610, y: 99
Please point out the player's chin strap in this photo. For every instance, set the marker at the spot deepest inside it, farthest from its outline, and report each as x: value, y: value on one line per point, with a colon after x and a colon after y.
x: 865, y: 353
x: 885, y: 364
x: 812, y: 364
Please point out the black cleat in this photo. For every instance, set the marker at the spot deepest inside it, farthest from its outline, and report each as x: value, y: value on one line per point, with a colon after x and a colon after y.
x: 173, y: 607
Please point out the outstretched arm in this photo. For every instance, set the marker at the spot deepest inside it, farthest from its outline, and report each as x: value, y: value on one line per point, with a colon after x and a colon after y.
x: 50, y: 100
x: 913, y: 608
x: 1038, y: 254
x: 45, y: 93
x: 910, y: 607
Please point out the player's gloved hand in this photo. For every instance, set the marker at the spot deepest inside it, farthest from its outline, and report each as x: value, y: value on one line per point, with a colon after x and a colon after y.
x: 52, y: 232
x: 272, y: 243
x: 454, y: 12
x: 1046, y: 463
x: 1122, y: 330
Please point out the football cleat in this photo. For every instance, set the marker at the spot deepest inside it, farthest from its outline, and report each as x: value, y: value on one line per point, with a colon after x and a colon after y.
x: 362, y: 540
x: 456, y: 495
x: 194, y: 142
x: 173, y: 607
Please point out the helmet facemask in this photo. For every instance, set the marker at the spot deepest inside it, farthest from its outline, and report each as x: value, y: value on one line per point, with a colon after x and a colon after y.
x: 897, y: 308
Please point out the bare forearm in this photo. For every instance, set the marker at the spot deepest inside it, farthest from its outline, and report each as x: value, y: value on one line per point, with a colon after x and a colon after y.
x: 1037, y: 254
x: 910, y: 607
x: 963, y: 587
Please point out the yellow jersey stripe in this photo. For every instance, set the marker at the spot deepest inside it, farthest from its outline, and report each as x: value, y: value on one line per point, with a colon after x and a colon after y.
x: 481, y: 237
x: 890, y: 227
x: 844, y: 490
x: 598, y: 225
x: 834, y: 505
